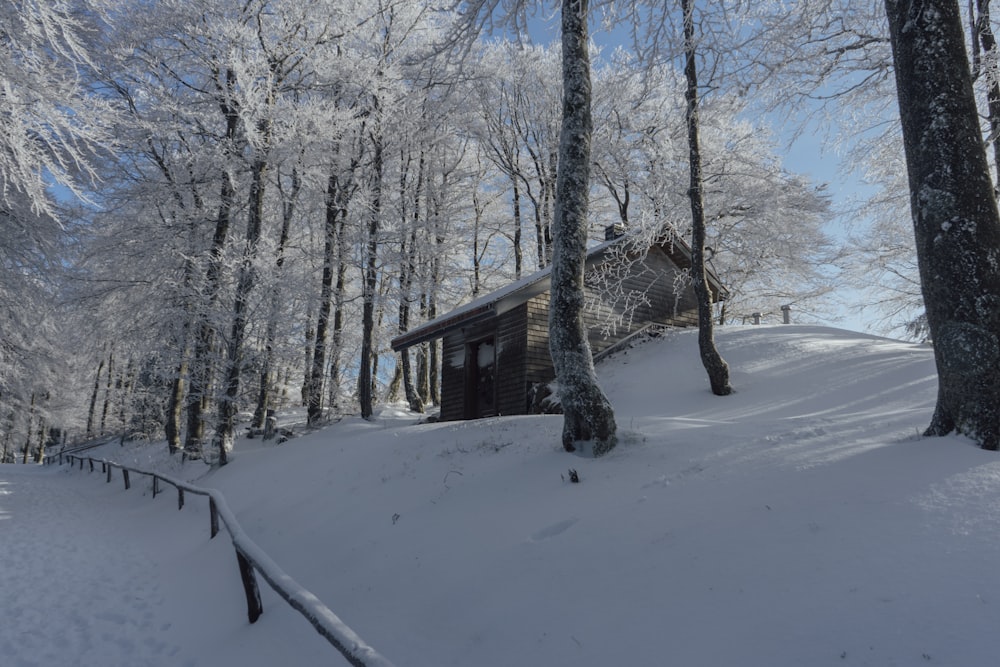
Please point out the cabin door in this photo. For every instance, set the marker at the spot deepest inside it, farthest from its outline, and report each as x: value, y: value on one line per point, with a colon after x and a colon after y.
x: 481, y: 379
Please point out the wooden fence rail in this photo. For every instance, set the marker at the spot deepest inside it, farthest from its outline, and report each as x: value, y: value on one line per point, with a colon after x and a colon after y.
x: 252, y: 559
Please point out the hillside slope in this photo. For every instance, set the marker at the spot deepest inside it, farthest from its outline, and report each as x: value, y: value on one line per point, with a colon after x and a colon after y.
x: 800, y: 521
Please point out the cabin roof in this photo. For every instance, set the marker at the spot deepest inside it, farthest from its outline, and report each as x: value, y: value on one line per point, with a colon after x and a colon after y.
x: 520, y: 291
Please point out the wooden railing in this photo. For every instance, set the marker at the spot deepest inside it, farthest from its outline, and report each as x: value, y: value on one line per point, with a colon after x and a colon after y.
x: 251, y: 559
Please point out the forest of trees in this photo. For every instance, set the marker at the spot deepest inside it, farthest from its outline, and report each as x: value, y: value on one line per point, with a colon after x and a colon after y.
x: 213, y: 209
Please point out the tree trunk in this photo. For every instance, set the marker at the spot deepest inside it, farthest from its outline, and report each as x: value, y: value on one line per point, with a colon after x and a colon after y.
x: 338, y: 320
x: 309, y: 348
x: 27, y: 442
x: 200, y: 380
x: 175, y: 403
x: 107, y: 390
x: 369, y: 285
x: 518, y: 253
x: 274, y: 307
x: 225, y: 430
x: 715, y: 365
x: 587, y: 414
x: 91, y: 414
x: 955, y: 219
x: 336, y: 211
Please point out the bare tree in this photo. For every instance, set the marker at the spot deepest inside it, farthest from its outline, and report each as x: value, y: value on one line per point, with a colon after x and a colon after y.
x: 715, y: 365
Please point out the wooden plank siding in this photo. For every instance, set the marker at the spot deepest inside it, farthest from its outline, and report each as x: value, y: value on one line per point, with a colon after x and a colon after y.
x: 522, y: 333
x: 510, y: 336
x: 453, y: 376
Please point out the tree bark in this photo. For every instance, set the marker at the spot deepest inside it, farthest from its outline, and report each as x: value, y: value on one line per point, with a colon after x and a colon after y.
x: 715, y: 365
x: 247, y: 280
x: 270, y: 337
x: 587, y: 414
x: 370, y: 280
x: 91, y: 414
x: 201, y: 371
x: 107, y: 390
x: 955, y: 219
x: 336, y: 212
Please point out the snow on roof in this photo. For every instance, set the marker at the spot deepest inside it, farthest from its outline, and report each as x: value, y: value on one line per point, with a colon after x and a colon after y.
x: 500, y: 301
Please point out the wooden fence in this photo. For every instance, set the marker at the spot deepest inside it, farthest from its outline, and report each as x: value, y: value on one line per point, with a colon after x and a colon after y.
x: 250, y: 559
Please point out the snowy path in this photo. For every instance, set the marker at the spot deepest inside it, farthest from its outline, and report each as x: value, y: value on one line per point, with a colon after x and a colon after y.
x: 54, y: 546
x: 93, y: 575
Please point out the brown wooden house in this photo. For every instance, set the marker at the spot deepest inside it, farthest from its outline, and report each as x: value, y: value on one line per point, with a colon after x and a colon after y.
x: 495, y: 349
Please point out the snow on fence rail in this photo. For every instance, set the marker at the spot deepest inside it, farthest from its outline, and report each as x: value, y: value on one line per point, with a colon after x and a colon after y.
x: 252, y: 558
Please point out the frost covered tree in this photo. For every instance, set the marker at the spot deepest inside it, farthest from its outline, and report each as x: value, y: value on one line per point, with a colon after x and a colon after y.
x: 955, y: 219
x: 51, y: 130
x: 715, y: 365
x: 587, y: 413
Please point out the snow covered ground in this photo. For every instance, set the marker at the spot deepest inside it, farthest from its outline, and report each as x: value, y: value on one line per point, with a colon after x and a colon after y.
x: 800, y: 521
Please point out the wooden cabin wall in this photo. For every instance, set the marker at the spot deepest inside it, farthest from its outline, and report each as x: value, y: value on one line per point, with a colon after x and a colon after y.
x: 665, y: 307
x: 511, y: 332
x: 453, y: 377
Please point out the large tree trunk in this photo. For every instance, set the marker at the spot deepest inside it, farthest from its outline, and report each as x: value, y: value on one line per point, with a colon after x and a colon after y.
x: 956, y: 225
x: 715, y: 365
x: 587, y: 414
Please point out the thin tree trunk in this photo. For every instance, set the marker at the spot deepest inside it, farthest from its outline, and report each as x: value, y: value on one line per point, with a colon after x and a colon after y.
x: 370, y: 282
x: 338, y: 319
x: 270, y: 336
x: 200, y: 381
x: 91, y: 414
x: 43, y: 435
x: 175, y: 402
x: 309, y: 348
x: 127, y: 381
x: 955, y: 219
x: 407, y: 273
x: 518, y: 253
x: 27, y: 442
x: 335, y: 213
x: 107, y: 390
x: 587, y: 414
x: 715, y: 365
x: 225, y: 431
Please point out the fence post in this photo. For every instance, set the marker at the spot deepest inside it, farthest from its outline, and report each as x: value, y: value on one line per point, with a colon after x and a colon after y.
x: 108, y: 470
x: 180, y: 498
x: 213, y: 514
x: 81, y: 464
x: 156, y: 486
x: 91, y: 465
x: 254, y: 606
x: 128, y: 484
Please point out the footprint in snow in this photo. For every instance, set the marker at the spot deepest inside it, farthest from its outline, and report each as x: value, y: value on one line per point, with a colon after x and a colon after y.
x: 557, y: 528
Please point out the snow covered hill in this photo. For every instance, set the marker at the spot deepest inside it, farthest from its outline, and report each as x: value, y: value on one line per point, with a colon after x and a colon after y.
x: 800, y: 521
